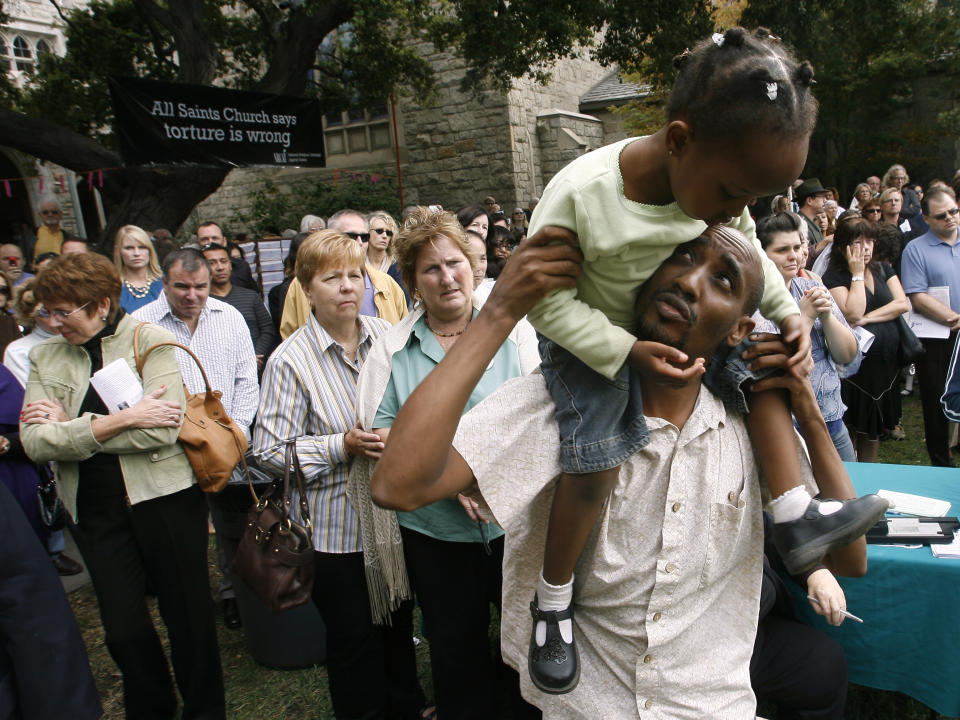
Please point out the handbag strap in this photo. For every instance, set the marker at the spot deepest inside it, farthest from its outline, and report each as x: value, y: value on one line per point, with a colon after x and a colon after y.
x: 290, y: 459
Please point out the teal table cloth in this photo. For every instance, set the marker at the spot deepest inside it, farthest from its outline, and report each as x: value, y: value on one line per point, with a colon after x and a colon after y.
x: 909, y: 601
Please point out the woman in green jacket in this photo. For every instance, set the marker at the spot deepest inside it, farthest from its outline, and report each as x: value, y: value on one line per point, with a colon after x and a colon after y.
x: 140, y: 518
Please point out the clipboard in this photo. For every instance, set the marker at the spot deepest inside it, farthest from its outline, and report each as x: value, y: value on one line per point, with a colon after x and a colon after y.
x: 913, y: 531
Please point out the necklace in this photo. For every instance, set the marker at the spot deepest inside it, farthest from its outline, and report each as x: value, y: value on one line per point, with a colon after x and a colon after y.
x: 445, y: 335
x: 137, y: 292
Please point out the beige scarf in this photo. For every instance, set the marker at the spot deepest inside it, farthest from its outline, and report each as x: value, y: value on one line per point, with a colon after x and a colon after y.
x: 387, y: 582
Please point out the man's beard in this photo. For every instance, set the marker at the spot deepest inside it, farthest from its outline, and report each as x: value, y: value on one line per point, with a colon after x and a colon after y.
x: 655, y: 333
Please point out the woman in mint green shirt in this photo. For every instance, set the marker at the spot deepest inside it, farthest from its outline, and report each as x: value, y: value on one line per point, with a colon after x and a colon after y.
x: 453, y: 561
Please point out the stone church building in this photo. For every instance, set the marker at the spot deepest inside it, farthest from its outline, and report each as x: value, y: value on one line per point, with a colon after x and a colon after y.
x: 459, y: 148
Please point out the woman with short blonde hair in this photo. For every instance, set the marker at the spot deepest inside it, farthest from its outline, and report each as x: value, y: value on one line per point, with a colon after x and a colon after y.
x: 136, y: 261
x: 308, y: 393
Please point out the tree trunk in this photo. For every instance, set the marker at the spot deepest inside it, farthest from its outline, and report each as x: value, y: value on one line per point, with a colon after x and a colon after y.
x: 155, y: 196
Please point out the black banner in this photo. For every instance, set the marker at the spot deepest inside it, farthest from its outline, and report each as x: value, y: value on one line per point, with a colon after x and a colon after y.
x: 171, y: 123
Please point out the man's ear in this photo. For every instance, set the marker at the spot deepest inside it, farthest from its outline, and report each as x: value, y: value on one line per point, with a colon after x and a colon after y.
x: 743, y: 328
x: 677, y: 137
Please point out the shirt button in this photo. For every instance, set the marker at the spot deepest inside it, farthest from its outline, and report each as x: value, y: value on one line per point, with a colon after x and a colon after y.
x: 732, y: 496
x: 657, y: 616
x: 648, y: 704
x: 676, y: 507
x: 670, y: 567
x: 154, y: 456
x: 648, y: 659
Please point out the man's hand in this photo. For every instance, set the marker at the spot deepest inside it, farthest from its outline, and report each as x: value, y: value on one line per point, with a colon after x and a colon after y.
x: 823, y: 586
x: 798, y: 338
x: 660, y: 363
x: 360, y: 442
x: 546, y: 261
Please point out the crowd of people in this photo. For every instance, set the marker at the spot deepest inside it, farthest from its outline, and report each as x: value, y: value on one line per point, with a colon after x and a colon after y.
x: 559, y: 414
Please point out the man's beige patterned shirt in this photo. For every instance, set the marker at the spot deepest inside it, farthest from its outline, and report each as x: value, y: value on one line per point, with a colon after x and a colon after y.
x: 667, y: 591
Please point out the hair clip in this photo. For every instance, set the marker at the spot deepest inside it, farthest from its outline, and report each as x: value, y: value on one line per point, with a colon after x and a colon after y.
x: 718, y: 39
x: 772, y: 90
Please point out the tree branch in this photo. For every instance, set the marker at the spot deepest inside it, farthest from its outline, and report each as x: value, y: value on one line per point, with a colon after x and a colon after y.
x: 49, y: 141
x: 60, y: 12
x: 266, y: 24
x: 295, y: 46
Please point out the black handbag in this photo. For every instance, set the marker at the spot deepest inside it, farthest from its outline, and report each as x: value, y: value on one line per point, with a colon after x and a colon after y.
x: 910, y: 348
x: 52, y: 514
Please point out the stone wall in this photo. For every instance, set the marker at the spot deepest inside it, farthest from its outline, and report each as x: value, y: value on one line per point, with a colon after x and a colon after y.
x: 564, y: 136
x: 458, y: 147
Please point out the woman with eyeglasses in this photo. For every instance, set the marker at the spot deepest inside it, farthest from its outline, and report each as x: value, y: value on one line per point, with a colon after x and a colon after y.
x: 136, y: 261
x: 861, y: 194
x: 128, y: 486
x: 9, y: 330
x: 383, y: 229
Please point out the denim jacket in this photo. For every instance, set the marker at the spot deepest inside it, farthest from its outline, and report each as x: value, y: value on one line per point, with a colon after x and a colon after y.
x: 152, y: 461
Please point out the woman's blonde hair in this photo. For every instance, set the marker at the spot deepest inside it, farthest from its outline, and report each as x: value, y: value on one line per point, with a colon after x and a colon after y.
x: 422, y: 227
x: 132, y: 232
x: 325, y: 249
x: 25, y: 303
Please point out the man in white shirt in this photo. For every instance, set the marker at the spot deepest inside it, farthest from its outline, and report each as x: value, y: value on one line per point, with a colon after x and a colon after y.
x: 217, y: 333
x: 668, y: 586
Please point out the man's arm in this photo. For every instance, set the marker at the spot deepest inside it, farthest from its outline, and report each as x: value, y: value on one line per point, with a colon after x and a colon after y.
x: 428, y: 420
x: 927, y: 305
x: 296, y: 308
x: 266, y: 334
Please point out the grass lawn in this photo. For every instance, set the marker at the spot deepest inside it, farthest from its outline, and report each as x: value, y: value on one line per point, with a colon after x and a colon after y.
x: 257, y: 692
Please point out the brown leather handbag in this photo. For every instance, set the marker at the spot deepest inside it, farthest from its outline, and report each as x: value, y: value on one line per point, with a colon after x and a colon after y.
x: 213, y: 442
x: 275, y: 555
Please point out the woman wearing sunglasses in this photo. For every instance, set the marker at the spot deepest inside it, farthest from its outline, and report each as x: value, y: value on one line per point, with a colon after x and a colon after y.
x: 383, y: 229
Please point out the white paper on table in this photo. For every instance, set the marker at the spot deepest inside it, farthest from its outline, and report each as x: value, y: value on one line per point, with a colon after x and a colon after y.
x: 117, y: 386
x: 925, y: 327
x: 949, y: 550
x: 919, y: 505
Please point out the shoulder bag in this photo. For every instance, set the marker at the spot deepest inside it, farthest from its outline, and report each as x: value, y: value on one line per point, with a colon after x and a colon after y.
x: 213, y: 442
x: 910, y: 348
x: 275, y: 555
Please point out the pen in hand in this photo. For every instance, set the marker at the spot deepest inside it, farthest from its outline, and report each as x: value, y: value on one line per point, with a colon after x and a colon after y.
x: 811, y: 598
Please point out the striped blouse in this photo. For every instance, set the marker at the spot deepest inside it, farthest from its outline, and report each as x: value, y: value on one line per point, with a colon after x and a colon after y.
x: 308, y: 394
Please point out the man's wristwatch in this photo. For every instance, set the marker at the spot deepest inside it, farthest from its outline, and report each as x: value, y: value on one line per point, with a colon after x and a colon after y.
x: 856, y: 278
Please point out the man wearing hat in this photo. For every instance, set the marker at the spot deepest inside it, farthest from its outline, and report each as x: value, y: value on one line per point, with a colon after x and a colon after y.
x: 810, y: 197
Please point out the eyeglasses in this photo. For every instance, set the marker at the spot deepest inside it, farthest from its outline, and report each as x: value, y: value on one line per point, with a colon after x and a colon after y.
x: 49, y: 212
x: 873, y: 210
x: 943, y: 216
x: 12, y: 259
x: 59, y: 314
x: 4, y: 289
x: 382, y: 231
x: 213, y: 246
x: 362, y: 237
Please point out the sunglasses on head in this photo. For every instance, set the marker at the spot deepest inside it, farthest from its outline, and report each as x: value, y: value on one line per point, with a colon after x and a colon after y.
x: 943, y: 216
x: 362, y: 237
x: 383, y: 231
